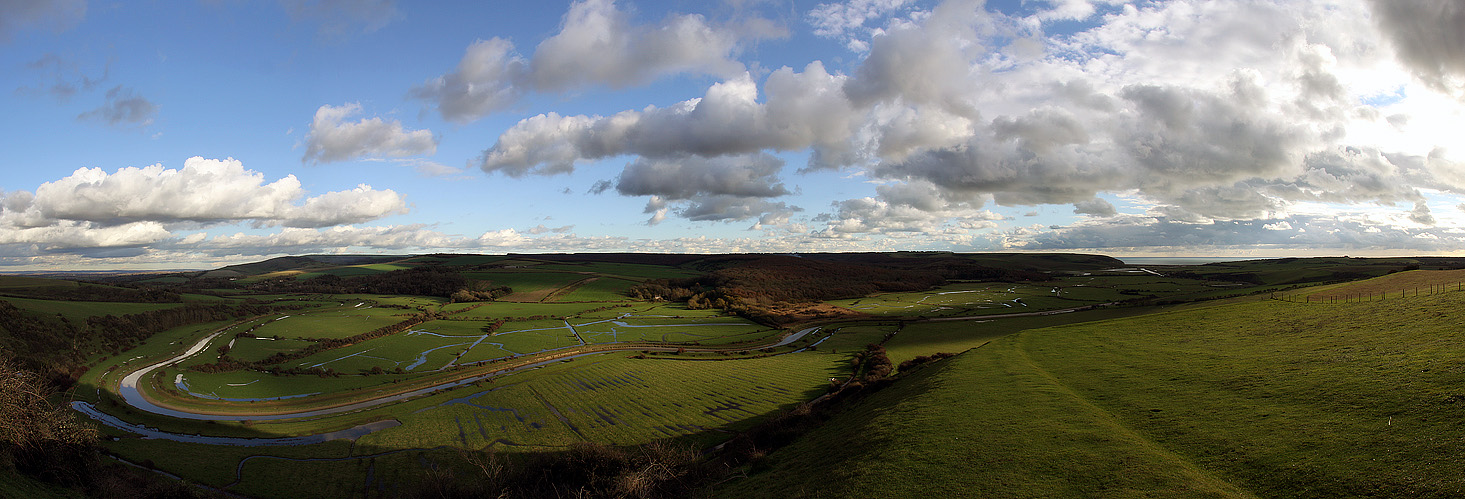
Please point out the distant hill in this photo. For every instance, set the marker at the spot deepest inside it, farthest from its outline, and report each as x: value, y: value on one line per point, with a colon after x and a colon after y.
x: 307, y: 262
x: 267, y: 266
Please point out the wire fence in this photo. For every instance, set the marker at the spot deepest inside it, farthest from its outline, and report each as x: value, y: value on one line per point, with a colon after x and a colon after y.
x: 1360, y: 297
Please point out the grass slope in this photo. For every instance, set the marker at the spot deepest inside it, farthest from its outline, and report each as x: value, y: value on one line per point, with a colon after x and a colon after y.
x: 1267, y: 398
x: 983, y: 424
x: 1397, y: 285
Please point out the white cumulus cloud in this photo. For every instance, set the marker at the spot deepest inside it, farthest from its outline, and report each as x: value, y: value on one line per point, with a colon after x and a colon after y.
x: 332, y: 138
x: 204, y: 191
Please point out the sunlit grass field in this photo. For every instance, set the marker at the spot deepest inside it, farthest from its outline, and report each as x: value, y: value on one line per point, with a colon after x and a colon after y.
x: 1256, y: 399
x: 1399, y: 285
x: 600, y: 289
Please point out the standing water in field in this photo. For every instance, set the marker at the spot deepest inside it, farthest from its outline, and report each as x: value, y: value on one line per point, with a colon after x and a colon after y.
x: 154, y: 433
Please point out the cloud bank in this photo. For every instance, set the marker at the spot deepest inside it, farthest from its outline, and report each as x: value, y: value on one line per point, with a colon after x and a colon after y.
x: 1209, y: 112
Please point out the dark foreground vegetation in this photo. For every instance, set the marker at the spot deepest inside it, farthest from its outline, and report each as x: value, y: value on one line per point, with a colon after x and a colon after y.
x: 58, y: 454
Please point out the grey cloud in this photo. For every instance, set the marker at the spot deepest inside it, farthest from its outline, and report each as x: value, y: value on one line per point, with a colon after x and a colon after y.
x: 1347, y: 175
x: 802, y: 110
x: 707, y: 189
x: 390, y: 238
x: 1170, y: 106
x: 1237, y: 201
x: 721, y: 208
x: 597, y: 45
x: 306, y: 240
x: 541, y: 229
x: 485, y: 81
x: 57, y: 15
x: 103, y: 253
x: 1212, y: 111
x: 1421, y: 215
x: 1082, y: 92
x: 921, y: 196
x: 1206, y: 139
x: 1041, y: 130
x: 1320, y: 233
x: 1096, y: 207
x: 906, y: 208
x: 68, y: 79
x: 600, y: 186
x: 1318, y: 81
x: 1428, y: 36
x: 341, y: 17
x: 332, y: 138
x: 1011, y: 173
x: 124, y: 108
x: 929, y: 63
x: 691, y: 176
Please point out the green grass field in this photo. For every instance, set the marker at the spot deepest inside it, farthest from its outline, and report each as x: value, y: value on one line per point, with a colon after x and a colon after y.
x: 926, y: 338
x: 602, y: 398
x: 1398, y: 285
x: 987, y: 298
x: 610, y: 398
x: 627, y: 270
x: 256, y: 349
x: 9, y: 282
x: 458, y: 260
x: 603, y: 289
x: 354, y: 270
x: 710, y: 330
x: 500, y: 309
x: 1254, y: 399
x: 527, y: 281
x: 339, y: 323
x: 248, y: 385
x: 78, y: 311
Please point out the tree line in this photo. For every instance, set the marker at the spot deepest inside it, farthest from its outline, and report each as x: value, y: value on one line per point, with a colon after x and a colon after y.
x: 56, y: 347
x: 98, y: 292
x: 755, y: 287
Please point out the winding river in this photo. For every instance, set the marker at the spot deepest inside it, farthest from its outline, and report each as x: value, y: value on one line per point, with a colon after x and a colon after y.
x: 129, y: 390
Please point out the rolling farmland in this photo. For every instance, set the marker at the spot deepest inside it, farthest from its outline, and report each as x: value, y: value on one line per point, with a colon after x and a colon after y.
x: 413, y: 379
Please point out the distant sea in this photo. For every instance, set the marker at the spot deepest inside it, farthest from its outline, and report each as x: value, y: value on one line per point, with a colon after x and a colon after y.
x: 1183, y: 260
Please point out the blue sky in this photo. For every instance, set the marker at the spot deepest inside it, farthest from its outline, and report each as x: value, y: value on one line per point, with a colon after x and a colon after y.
x: 198, y: 134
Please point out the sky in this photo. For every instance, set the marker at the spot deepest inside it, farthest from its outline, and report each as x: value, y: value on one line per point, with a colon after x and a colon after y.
x: 196, y: 134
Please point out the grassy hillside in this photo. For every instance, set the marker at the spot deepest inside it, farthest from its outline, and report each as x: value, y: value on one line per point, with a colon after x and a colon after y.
x: 1267, y: 399
x: 1397, y: 285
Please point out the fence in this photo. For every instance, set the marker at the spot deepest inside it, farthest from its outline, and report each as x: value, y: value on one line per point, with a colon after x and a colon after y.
x: 1423, y: 290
